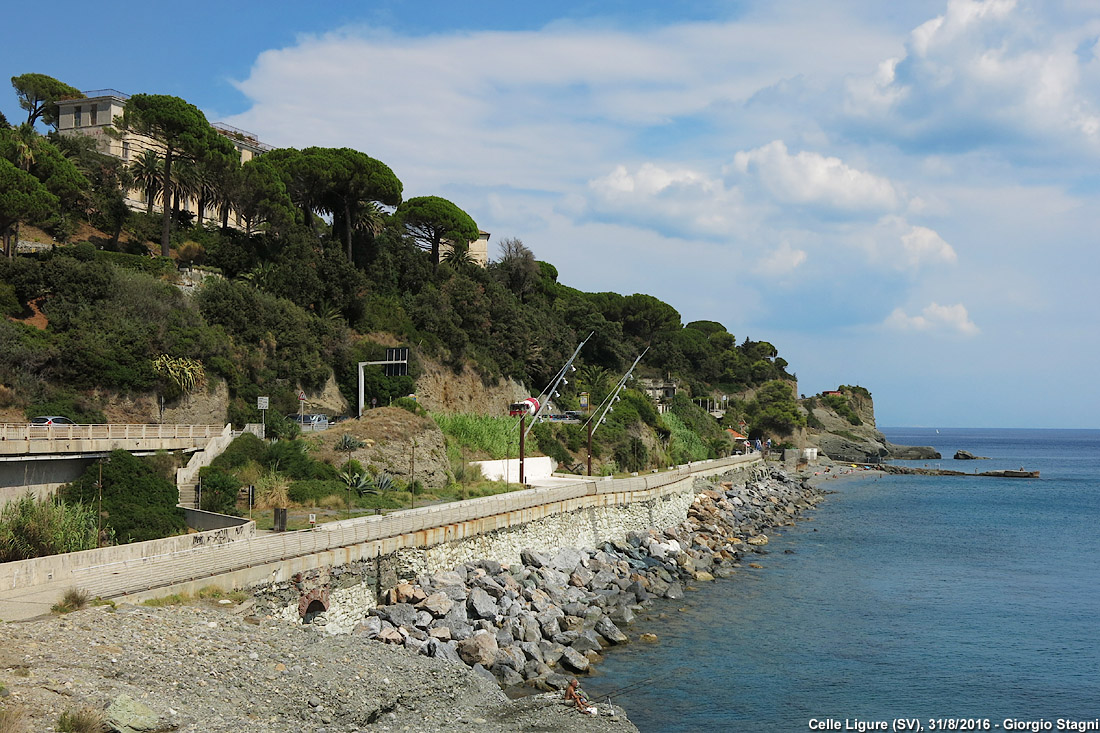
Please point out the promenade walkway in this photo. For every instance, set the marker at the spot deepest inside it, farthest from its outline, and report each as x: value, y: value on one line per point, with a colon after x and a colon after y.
x: 29, y: 588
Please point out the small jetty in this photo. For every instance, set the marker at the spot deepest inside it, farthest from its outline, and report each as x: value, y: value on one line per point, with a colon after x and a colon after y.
x: 909, y: 470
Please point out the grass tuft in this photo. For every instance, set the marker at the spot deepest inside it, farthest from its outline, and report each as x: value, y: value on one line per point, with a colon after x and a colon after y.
x: 13, y: 720
x: 84, y: 720
x: 73, y: 600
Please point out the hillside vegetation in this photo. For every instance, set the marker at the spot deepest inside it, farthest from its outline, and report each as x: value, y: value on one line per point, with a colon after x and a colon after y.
x: 330, y: 266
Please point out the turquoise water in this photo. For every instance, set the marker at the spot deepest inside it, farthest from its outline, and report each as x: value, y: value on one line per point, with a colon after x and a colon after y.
x: 905, y: 597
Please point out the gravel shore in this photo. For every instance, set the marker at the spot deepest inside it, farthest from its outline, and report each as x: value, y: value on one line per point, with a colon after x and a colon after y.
x: 205, y: 668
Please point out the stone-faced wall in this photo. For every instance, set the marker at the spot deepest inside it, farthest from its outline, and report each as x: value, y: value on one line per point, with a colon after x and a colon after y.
x: 353, y: 587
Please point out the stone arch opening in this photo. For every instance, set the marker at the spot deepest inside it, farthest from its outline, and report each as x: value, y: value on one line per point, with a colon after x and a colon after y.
x: 315, y: 608
x: 313, y: 604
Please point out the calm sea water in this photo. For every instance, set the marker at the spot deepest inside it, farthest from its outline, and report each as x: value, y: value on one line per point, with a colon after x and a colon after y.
x: 905, y: 597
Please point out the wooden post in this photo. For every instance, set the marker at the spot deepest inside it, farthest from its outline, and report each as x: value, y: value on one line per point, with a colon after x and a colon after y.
x: 522, y: 419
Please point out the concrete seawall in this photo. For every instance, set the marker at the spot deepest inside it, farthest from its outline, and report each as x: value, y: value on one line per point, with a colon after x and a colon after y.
x: 347, y: 593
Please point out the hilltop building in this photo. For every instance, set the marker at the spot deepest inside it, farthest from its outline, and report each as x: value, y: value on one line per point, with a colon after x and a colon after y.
x: 478, y: 248
x: 94, y: 115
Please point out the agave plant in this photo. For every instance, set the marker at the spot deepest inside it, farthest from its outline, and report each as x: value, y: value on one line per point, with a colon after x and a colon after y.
x: 184, y: 373
x: 383, y: 483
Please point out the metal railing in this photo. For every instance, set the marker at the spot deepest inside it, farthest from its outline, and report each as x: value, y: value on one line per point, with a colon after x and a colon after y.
x: 15, y: 431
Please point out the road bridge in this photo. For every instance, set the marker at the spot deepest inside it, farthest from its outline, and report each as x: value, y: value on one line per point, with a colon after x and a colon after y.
x: 39, y: 458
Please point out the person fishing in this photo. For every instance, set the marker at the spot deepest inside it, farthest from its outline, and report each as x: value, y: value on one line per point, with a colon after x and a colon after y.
x: 574, y: 694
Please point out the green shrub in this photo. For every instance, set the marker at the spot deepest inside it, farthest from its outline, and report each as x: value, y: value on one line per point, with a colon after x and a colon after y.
x: 281, y: 429
x: 550, y: 445
x: 75, y: 407
x: 9, y: 304
x: 408, y: 403
x: 219, y: 490
x: 311, y: 492
x: 74, y: 599
x: 684, y: 444
x: 244, y: 448
x: 632, y: 455
x: 31, y: 527
x: 138, y: 504
x: 289, y: 457
x: 841, y: 406
x: 83, y: 720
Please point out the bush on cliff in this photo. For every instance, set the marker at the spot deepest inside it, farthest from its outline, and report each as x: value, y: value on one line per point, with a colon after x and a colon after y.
x: 774, y: 411
x: 840, y: 405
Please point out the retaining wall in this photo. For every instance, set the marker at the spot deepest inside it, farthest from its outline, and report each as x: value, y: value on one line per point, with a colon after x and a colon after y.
x: 586, y: 521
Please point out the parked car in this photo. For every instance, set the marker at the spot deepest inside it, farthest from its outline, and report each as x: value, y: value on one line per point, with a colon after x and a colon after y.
x: 51, y: 420
x: 310, y: 421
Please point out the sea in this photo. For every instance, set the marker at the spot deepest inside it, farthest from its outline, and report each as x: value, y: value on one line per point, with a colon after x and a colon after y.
x: 923, y: 603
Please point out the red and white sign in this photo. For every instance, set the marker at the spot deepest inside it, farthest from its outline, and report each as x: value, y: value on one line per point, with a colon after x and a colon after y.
x: 301, y: 396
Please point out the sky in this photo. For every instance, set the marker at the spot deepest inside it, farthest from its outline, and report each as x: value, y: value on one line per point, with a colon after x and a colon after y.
x: 904, y: 196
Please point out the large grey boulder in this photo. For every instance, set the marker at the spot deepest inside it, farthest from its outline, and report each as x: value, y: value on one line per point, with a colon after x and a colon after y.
x: 399, y: 614
x: 567, y: 559
x: 608, y: 630
x: 533, y: 559
x: 480, y: 605
x: 574, y: 660
x: 127, y: 715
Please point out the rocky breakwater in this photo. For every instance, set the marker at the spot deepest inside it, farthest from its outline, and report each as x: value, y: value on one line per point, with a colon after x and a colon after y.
x: 550, y: 616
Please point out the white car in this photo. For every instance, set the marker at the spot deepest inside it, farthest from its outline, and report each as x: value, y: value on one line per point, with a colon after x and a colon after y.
x: 310, y: 421
x: 51, y: 420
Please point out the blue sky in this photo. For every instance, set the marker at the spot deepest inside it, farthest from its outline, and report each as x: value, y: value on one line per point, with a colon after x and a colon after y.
x: 898, y: 195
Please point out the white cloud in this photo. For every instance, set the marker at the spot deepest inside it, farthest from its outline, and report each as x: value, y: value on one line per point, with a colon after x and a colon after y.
x: 935, y: 318
x: 922, y: 244
x: 781, y: 261
x: 677, y: 200
x: 812, y: 178
x: 987, y: 73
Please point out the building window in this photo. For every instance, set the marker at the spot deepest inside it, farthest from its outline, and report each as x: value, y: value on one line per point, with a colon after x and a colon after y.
x: 76, y: 116
x: 126, y: 150
x: 93, y: 111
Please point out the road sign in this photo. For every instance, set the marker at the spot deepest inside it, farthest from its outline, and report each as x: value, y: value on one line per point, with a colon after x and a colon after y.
x: 261, y: 403
x: 584, y: 400
x: 301, y: 396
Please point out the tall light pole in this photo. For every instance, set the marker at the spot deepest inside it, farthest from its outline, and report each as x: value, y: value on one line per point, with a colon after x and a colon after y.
x: 612, y: 397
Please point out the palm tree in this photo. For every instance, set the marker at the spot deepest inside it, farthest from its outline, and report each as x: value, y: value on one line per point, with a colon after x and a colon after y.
x: 459, y: 257
x: 27, y: 142
x: 596, y: 380
x: 186, y: 184
x: 349, y: 443
x: 146, y: 171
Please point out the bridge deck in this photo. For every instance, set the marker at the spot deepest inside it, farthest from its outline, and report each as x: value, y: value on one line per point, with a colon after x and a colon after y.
x: 26, y: 440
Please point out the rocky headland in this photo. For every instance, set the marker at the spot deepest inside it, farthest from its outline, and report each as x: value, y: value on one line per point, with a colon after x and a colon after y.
x: 852, y: 437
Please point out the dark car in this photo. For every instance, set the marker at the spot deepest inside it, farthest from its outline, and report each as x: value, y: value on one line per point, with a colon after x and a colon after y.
x: 51, y: 420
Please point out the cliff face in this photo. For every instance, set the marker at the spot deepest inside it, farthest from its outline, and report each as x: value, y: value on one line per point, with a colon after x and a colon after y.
x: 850, y: 434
